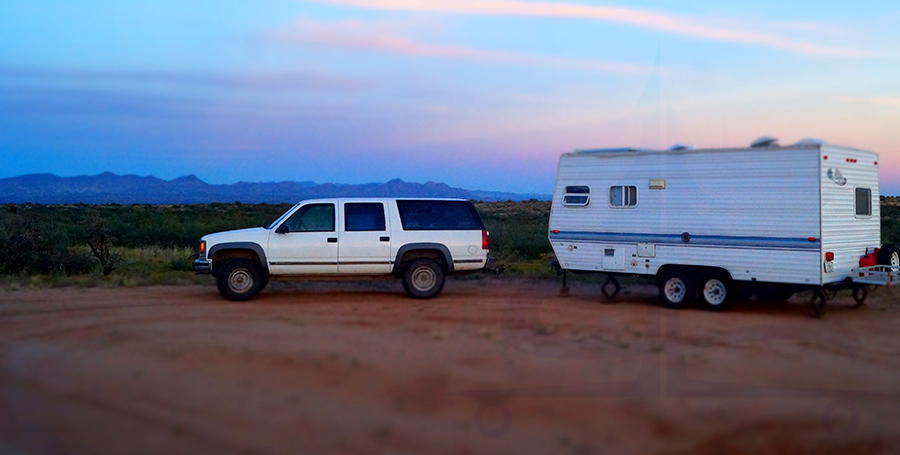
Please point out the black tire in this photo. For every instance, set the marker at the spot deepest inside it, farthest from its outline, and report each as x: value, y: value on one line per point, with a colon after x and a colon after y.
x: 240, y: 279
x: 423, y: 279
x: 889, y: 255
x: 717, y: 292
x: 676, y: 289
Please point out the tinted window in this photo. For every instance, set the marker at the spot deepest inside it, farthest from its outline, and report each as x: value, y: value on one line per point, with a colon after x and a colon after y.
x: 577, y: 195
x: 863, y: 202
x: 575, y: 200
x: 439, y: 216
x: 312, y: 218
x: 364, y: 217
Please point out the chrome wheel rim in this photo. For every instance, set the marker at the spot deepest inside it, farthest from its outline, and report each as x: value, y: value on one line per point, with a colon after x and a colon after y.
x: 675, y: 290
x: 424, y: 278
x: 714, y: 292
x: 240, y: 280
x: 895, y: 259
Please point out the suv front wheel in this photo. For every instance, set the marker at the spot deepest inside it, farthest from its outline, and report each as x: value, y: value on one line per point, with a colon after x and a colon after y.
x: 423, y: 279
x: 240, y: 279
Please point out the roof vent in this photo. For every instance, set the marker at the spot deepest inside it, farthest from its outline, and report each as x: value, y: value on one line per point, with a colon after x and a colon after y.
x: 765, y: 141
x: 811, y: 141
x: 678, y: 147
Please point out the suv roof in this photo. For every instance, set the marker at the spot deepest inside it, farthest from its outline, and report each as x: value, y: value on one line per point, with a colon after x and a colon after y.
x: 382, y: 199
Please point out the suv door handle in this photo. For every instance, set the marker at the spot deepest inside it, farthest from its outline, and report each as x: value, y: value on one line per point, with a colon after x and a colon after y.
x: 332, y: 239
x: 385, y: 239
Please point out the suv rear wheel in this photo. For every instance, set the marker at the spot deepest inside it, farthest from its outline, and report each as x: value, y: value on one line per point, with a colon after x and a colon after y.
x: 423, y: 279
x: 240, y: 279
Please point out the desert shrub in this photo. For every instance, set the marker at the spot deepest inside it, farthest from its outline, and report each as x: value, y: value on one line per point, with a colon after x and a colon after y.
x: 518, y: 229
x: 182, y: 263
x: 97, y: 236
x: 31, y: 246
x: 890, y: 220
x: 79, y: 262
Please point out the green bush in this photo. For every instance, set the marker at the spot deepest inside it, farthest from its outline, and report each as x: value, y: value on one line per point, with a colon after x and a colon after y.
x: 37, y: 248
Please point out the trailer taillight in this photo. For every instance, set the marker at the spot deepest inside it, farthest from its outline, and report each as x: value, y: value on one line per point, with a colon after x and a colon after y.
x: 829, y: 256
x: 484, y: 239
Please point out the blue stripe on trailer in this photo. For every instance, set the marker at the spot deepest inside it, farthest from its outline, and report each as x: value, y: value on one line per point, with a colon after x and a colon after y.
x: 675, y: 239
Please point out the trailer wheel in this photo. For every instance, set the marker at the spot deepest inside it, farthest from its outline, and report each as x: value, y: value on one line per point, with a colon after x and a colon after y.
x: 718, y: 293
x: 676, y: 289
x: 889, y: 255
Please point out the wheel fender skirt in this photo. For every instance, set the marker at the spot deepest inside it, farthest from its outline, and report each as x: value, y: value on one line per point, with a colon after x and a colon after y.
x: 255, y: 247
x: 448, y: 258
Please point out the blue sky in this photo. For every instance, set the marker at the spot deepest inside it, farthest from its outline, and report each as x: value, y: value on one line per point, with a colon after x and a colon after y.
x: 482, y: 94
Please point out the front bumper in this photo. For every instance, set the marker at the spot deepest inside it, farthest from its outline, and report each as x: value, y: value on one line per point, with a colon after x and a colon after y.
x: 202, y: 266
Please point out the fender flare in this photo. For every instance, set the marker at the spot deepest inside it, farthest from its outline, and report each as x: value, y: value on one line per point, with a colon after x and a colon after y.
x: 255, y: 247
x: 448, y: 258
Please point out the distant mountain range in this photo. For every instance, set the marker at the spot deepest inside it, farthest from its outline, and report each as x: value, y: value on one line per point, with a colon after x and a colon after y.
x: 108, y: 188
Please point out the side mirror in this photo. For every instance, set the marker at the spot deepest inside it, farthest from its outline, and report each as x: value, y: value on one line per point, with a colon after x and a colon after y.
x: 283, y: 229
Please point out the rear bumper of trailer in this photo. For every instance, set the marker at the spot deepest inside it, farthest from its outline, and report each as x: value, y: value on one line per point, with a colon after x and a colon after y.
x: 881, y: 275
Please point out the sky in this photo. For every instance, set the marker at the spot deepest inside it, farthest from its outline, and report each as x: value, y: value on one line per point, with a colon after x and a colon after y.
x: 479, y: 94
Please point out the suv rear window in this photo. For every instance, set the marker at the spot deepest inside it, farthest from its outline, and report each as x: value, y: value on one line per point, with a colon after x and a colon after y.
x: 439, y: 216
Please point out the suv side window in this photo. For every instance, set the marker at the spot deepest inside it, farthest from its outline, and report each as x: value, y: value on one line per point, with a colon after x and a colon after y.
x: 312, y: 218
x: 367, y: 216
x: 439, y: 216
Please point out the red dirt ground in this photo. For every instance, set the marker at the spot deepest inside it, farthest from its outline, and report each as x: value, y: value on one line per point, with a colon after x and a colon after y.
x: 492, y: 366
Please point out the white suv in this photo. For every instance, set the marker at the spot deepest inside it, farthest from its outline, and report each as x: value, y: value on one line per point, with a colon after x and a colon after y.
x: 417, y: 240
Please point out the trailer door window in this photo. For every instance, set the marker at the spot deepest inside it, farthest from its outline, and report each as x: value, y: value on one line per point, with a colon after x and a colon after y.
x: 863, y: 202
x: 577, y: 196
x: 623, y: 196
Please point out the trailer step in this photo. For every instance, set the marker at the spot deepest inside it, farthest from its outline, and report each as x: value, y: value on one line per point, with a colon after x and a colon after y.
x: 881, y: 275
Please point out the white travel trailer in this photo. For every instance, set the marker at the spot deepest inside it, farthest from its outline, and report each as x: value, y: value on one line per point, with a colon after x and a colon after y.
x: 768, y: 218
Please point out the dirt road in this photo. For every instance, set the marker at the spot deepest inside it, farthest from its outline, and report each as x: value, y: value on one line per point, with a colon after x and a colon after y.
x: 488, y: 367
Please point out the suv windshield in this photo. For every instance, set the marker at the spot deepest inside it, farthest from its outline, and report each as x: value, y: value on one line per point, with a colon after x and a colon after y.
x: 282, y: 217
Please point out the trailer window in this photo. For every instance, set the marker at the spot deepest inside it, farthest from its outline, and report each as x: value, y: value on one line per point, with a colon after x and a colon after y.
x: 863, y: 202
x: 577, y: 196
x: 622, y: 196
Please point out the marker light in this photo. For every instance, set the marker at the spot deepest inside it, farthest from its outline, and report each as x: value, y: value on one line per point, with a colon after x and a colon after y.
x: 829, y: 256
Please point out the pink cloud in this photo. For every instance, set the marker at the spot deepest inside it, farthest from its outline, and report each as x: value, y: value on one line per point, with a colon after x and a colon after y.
x: 647, y: 19
x: 383, y: 37
x: 880, y: 100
